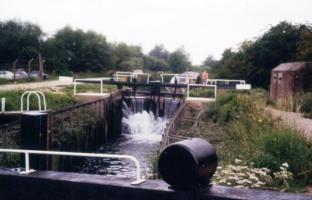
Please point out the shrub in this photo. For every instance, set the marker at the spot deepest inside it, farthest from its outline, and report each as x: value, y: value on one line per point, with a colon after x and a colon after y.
x: 202, y: 92
x: 284, y: 145
x: 306, y: 106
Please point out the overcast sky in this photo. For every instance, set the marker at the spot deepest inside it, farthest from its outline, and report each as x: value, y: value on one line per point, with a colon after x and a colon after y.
x: 203, y: 27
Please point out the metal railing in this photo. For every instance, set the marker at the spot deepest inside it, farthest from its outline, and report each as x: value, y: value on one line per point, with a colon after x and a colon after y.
x: 39, y: 95
x: 100, y: 80
x: 181, y: 78
x: 138, y: 180
x: 201, y: 98
x: 131, y: 75
x: 226, y: 81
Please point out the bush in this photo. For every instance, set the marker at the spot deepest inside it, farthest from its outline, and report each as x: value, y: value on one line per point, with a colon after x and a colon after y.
x: 306, y: 106
x: 202, y: 92
x: 284, y: 145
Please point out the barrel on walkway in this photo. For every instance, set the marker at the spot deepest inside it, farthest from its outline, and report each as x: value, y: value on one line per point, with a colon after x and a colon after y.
x: 188, y: 164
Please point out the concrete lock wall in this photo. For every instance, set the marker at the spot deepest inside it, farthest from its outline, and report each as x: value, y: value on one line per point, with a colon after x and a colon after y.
x: 49, y: 185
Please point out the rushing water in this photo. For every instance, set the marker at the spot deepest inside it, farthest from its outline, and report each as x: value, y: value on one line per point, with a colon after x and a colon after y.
x: 141, y: 133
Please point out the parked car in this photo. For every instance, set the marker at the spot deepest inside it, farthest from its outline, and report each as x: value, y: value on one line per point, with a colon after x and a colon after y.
x: 6, y: 75
x: 21, y: 74
x: 35, y: 74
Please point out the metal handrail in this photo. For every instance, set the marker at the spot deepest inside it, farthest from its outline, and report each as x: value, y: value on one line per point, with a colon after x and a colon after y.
x: 132, y: 75
x: 138, y: 180
x: 90, y: 80
x: 225, y: 80
x: 201, y: 85
x: 39, y: 94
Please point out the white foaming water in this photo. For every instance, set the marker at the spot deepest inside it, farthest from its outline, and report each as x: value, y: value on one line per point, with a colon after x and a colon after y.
x: 144, y: 126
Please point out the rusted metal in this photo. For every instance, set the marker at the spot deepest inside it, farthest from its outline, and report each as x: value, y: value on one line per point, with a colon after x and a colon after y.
x: 287, y: 79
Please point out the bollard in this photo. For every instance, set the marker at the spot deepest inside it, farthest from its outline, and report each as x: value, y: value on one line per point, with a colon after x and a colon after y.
x: 188, y: 164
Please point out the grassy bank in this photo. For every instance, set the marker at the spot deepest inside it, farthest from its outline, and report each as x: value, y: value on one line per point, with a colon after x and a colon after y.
x: 241, y: 130
x: 54, y: 100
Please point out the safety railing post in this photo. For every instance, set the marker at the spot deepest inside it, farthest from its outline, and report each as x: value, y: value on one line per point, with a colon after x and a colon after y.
x: 75, y: 90
x: 2, y: 104
x: 101, y: 86
x: 26, y: 162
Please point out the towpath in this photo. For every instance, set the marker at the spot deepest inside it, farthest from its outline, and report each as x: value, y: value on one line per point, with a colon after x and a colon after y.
x: 293, y: 120
x: 34, y: 85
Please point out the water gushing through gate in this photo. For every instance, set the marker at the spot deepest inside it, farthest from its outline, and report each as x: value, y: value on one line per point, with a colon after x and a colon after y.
x: 143, y: 124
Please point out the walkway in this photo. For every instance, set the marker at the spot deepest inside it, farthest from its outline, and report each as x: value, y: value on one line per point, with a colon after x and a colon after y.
x: 293, y: 120
x: 34, y: 85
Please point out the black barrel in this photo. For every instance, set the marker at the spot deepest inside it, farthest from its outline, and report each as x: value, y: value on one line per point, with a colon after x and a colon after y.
x: 188, y: 164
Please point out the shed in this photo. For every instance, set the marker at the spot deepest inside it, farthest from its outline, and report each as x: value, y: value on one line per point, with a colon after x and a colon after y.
x: 288, y: 79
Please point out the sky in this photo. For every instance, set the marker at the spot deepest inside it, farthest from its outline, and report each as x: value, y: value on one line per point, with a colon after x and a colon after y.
x: 202, y: 27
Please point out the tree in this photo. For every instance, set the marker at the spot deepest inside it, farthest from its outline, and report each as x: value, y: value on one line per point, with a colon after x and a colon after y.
x: 209, y: 61
x: 255, y: 60
x: 304, y: 46
x: 77, y: 51
x: 160, y: 52
x: 128, y: 57
x: 179, y: 61
x: 155, y: 64
x: 19, y: 40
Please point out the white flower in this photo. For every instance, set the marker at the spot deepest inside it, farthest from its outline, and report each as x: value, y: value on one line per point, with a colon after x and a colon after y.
x: 285, y: 165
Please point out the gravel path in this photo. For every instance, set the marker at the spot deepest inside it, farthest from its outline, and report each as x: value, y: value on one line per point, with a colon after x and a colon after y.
x: 293, y: 120
x: 34, y: 85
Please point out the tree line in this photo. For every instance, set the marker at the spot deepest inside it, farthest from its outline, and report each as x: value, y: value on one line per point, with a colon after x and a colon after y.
x: 75, y: 50
x: 254, y: 59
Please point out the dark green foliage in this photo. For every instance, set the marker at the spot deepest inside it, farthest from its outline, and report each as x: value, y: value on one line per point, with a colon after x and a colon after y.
x: 280, y: 146
x: 224, y: 109
x: 128, y: 57
x: 179, y: 61
x: 254, y: 60
x: 306, y: 106
x: 19, y: 40
x: 76, y: 50
x: 155, y: 64
x: 202, y: 92
x: 160, y: 52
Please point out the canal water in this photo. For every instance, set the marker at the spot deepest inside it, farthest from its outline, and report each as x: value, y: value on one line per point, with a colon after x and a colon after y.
x: 142, y: 130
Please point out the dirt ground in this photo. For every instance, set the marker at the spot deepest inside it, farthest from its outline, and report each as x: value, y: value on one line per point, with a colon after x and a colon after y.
x: 34, y: 85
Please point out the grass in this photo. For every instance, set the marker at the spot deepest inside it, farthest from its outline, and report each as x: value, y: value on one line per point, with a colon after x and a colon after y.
x: 202, y: 92
x: 90, y: 88
x: 240, y: 125
x: 301, y: 102
x: 54, y: 101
